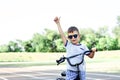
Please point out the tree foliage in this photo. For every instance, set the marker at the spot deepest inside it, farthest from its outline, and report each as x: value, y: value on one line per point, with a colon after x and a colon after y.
x: 50, y: 40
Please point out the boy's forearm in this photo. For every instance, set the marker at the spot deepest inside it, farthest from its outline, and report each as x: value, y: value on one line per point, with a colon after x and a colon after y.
x: 61, y: 33
x: 60, y: 29
x: 57, y: 21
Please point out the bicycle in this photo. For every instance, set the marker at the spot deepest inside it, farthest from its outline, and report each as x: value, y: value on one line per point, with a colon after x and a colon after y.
x: 62, y: 59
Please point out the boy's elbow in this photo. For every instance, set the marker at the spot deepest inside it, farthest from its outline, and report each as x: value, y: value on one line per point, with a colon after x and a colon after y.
x: 91, y: 57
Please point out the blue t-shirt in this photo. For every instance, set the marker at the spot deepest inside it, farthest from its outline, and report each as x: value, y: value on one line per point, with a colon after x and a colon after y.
x: 71, y: 50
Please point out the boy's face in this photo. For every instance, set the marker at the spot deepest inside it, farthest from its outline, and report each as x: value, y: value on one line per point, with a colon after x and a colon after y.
x: 74, y: 37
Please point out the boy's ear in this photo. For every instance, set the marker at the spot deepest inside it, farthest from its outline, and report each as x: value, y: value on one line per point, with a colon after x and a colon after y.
x: 79, y: 35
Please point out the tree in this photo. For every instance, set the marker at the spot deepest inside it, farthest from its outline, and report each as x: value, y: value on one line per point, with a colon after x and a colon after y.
x: 4, y: 48
x: 102, y: 32
x: 14, y: 46
x: 28, y: 46
x: 118, y: 20
x: 88, y: 37
x: 116, y: 31
x: 60, y: 45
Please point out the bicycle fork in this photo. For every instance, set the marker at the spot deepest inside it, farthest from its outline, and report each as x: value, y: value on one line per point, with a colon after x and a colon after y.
x: 79, y: 73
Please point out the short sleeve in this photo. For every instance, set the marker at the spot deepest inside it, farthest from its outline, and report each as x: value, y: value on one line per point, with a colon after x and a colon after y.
x: 66, y: 43
x: 86, y: 49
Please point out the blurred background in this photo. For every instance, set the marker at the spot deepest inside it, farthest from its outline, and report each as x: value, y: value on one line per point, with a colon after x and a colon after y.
x: 28, y: 26
x: 29, y: 34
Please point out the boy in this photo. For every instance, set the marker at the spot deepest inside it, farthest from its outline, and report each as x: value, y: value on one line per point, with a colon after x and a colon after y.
x: 73, y: 47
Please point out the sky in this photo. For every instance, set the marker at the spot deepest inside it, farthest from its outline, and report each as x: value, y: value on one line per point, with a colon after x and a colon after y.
x: 20, y: 19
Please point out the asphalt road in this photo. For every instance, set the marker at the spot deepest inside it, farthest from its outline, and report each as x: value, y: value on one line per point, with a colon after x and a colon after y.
x: 47, y: 73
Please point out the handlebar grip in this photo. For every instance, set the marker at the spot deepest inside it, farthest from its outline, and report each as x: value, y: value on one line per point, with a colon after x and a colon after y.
x: 62, y: 59
x: 96, y: 50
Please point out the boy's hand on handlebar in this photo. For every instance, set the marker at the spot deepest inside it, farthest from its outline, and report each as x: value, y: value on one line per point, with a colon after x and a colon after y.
x: 94, y: 49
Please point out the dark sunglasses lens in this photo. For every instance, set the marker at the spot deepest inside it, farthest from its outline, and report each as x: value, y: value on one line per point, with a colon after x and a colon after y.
x: 70, y: 37
x: 75, y: 36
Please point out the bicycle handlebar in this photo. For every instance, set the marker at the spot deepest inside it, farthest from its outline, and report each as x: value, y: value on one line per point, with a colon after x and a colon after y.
x: 62, y: 59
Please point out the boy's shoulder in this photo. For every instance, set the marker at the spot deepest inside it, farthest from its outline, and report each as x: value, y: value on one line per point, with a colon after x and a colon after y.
x: 82, y: 44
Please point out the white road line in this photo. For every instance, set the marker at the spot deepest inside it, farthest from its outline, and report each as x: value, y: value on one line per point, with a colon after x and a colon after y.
x: 3, y: 78
x: 31, y: 76
x: 108, y: 75
x: 94, y: 78
x: 44, y: 73
x: 26, y: 75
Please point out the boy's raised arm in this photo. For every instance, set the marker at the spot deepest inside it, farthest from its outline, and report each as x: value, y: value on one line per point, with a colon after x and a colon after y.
x: 57, y: 21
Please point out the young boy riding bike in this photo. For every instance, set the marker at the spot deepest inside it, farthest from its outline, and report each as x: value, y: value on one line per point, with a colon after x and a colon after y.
x: 73, y: 47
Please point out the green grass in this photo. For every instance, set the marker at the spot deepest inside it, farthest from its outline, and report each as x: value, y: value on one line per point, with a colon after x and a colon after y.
x: 28, y: 59
x: 104, y: 61
x: 48, y: 57
x: 24, y: 64
x: 102, y: 57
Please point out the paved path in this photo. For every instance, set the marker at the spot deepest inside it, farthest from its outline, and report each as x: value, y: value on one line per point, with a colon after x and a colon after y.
x: 47, y: 73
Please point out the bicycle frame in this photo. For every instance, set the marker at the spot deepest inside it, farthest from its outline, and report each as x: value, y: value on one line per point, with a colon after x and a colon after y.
x: 62, y: 59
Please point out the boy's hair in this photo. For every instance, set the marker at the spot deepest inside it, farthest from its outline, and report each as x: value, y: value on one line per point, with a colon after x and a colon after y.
x: 72, y: 29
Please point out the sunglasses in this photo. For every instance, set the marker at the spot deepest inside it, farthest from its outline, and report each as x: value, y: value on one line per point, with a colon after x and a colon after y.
x: 71, y: 36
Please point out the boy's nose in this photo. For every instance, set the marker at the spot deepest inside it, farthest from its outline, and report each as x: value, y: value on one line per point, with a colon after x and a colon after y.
x: 73, y: 38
